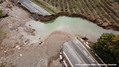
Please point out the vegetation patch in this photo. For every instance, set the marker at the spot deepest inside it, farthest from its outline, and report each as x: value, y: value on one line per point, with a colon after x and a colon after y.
x: 51, y: 21
x: 41, y: 4
x: 1, y: 13
x: 117, y: 0
x: 2, y: 64
x: 107, y: 47
x: 2, y: 34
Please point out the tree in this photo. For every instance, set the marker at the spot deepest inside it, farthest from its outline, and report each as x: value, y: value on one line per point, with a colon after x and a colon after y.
x: 107, y: 47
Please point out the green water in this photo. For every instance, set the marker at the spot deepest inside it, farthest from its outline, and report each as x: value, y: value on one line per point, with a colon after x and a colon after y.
x: 69, y: 24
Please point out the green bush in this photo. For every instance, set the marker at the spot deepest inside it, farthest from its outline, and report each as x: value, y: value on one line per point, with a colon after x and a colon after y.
x: 116, y: 0
x: 1, y: 13
x: 107, y: 47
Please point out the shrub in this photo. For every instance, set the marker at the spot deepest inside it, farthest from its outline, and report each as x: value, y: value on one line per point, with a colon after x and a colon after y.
x: 1, y: 13
x: 107, y: 48
x: 117, y: 0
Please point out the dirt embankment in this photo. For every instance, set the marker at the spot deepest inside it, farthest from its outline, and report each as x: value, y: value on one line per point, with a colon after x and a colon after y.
x: 98, y: 22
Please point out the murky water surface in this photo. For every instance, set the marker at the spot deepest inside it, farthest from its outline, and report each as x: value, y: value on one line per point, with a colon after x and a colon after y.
x: 71, y: 25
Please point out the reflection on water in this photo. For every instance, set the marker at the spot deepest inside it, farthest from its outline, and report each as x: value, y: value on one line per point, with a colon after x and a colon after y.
x: 69, y: 24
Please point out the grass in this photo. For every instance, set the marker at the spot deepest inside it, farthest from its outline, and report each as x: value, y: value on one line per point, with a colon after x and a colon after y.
x: 41, y: 4
x: 51, y: 21
x: 2, y: 34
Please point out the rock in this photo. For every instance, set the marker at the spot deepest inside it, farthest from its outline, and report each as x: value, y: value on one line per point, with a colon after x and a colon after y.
x: 20, y: 55
x: 84, y: 38
x: 5, y: 51
x: 18, y: 47
x: 40, y: 43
